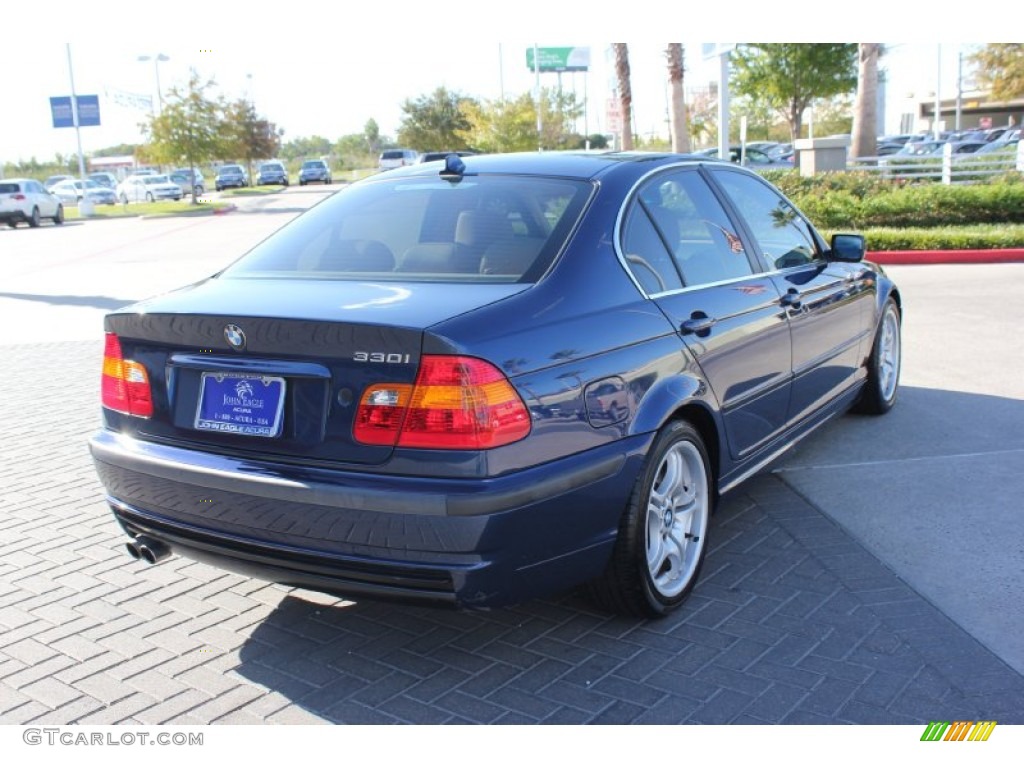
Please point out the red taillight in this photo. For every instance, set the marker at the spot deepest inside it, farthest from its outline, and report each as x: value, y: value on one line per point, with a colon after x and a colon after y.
x: 456, y: 403
x: 125, y: 384
x: 18, y: 196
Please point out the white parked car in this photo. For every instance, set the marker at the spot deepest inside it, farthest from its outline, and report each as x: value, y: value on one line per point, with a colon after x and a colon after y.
x: 147, y: 189
x: 27, y: 200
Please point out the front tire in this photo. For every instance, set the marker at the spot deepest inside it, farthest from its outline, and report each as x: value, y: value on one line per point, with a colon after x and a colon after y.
x: 58, y: 218
x: 149, y: 197
x: 662, y: 537
x: 882, y: 386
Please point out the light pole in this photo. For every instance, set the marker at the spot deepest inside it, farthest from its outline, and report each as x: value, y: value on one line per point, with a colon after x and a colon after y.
x: 157, y: 58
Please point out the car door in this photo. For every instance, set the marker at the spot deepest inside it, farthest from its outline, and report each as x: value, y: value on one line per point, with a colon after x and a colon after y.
x: 827, y: 301
x: 46, y: 202
x: 688, y: 256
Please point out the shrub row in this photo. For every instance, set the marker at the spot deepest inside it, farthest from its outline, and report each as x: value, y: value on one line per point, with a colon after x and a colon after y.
x: 942, y: 238
x: 861, y: 200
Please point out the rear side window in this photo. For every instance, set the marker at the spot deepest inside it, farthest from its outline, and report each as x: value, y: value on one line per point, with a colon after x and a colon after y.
x: 479, y: 229
x: 677, y: 234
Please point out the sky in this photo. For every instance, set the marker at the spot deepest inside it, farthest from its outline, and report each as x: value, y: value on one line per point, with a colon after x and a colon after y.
x: 324, y: 68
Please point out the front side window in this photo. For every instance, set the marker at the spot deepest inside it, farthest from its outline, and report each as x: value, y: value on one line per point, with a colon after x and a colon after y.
x: 782, y: 234
x: 478, y: 229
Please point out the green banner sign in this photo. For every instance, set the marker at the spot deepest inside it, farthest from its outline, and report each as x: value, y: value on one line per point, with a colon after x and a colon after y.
x: 559, y: 59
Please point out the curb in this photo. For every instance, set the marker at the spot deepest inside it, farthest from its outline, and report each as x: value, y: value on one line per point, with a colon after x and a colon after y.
x: 967, y: 256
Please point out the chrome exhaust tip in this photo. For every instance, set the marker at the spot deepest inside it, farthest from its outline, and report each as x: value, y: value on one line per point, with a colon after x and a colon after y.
x: 150, y: 550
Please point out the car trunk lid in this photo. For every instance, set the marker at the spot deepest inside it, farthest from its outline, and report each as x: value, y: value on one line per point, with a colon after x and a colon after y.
x: 286, y: 383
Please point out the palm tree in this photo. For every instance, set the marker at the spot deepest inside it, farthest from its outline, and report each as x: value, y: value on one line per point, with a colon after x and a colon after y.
x: 680, y: 130
x: 625, y: 94
x: 865, y: 109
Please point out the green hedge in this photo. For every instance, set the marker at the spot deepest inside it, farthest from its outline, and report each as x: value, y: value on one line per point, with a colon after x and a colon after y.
x: 982, y: 236
x: 861, y: 201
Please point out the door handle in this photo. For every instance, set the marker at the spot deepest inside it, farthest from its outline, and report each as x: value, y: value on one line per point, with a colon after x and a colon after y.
x: 791, y: 299
x: 697, y: 325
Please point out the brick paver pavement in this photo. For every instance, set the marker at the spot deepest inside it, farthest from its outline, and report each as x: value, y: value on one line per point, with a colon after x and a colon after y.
x: 793, y: 621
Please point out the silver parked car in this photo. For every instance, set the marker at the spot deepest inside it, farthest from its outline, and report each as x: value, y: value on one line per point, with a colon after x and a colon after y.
x: 27, y: 200
x: 180, y: 177
x: 72, y: 191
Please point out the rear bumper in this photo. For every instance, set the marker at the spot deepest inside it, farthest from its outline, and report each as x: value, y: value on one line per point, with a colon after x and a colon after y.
x: 470, y: 543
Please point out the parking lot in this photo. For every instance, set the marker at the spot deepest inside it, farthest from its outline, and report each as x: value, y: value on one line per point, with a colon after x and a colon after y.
x: 900, y: 603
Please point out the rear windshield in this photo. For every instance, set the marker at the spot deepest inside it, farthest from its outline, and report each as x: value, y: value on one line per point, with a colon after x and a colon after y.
x: 480, y: 229
x: 313, y: 164
x: 8, y: 188
x: 395, y: 154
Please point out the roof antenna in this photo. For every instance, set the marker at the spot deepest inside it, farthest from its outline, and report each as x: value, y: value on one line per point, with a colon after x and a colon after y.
x: 453, y: 166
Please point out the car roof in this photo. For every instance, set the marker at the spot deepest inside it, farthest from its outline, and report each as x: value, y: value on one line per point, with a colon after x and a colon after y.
x: 572, y: 164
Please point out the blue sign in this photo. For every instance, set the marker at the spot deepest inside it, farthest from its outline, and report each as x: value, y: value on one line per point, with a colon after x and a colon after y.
x: 88, y: 111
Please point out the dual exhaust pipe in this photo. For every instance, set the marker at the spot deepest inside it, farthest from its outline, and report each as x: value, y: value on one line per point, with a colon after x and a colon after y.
x: 150, y: 550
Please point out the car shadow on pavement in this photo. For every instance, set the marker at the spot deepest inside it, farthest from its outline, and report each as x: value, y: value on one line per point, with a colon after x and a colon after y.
x: 99, y: 302
x: 792, y: 621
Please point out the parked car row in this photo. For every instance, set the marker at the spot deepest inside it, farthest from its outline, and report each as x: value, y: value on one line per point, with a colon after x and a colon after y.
x: 753, y: 156
x: 962, y: 142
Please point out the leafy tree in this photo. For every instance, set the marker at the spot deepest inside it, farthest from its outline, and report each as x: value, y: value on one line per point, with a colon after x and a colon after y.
x: 510, y: 125
x: 506, y: 125
x: 371, y: 131
x: 248, y: 136
x: 435, y: 121
x: 116, y: 150
x: 354, y: 151
x: 680, y: 131
x: 1001, y: 69
x: 865, y: 108
x: 188, y: 129
x: 305, y: 147
x: 625, y: 93
x: 789, y: 76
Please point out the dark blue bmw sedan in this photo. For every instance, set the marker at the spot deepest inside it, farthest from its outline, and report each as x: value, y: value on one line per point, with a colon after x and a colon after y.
x: 484, y: 379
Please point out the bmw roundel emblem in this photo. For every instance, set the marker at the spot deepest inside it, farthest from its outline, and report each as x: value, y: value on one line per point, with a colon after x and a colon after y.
x: 235, y: 336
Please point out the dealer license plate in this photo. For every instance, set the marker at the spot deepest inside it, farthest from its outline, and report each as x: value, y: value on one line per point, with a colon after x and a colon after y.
x: 241, y: 404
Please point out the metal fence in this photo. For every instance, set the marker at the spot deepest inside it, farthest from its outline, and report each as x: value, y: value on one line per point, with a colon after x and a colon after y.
x: 948, y: 168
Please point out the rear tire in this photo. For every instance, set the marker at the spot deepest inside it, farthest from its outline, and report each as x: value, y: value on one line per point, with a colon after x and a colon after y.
x: 149, y: 197
x: 662, y: 537
x: 33, y: 220
x: 882, y: 386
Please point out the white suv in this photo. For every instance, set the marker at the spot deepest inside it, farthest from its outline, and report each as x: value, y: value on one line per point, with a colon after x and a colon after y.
x: 27, y: 200
x: 396, y: 158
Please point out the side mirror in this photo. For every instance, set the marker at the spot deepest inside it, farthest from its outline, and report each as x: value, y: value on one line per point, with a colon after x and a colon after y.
x: 847, y: 248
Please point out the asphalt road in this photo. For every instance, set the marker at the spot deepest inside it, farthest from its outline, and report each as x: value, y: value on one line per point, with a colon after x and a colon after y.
x: 926, y: 500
